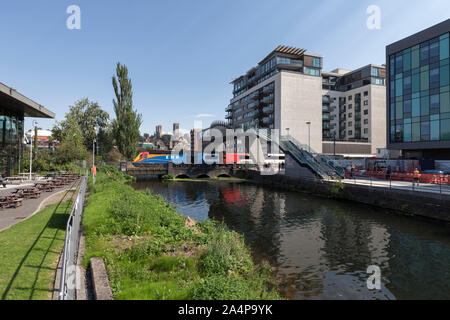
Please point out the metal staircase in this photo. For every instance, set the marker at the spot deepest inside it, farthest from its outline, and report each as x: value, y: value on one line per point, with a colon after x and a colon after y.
x: 307, y: 157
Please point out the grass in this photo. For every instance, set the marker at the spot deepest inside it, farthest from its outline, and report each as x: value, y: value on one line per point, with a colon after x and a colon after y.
x: 150, y: 253
x: 29, y: 254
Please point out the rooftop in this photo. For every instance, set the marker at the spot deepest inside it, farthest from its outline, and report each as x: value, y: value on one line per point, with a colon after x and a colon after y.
x: 13, y: 100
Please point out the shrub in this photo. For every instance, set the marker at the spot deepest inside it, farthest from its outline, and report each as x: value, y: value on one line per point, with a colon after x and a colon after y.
x: 225, y: 252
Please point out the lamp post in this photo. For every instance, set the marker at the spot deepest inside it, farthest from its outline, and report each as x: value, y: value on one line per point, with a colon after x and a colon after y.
x: 31, y: 148
x: 309, y: 135
x: 334, y: 144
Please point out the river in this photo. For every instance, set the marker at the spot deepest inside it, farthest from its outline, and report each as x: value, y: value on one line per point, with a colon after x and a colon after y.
x: 321, y: 248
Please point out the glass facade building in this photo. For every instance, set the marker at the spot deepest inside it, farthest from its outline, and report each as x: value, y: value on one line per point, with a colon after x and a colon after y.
x: 11, y: 135
x: 14, y: 107
x: 419, y: 92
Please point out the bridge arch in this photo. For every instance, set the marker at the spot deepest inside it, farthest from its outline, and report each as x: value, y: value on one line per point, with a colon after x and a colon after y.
x: 224, y: 175
x: 182, y: 176
x: 203, y: 176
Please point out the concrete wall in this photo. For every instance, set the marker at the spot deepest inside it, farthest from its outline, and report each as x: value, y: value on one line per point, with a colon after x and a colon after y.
x: 301, y: 101
x: 395, y: 201
x: 377, y: 112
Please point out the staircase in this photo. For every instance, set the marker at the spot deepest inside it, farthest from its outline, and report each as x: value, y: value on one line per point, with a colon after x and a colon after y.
x: 306, y: 157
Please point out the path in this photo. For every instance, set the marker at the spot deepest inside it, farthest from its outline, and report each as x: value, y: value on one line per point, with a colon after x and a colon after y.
x: 11, y: 216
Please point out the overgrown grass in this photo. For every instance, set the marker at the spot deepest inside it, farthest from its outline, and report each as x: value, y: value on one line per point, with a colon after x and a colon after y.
x: 29, y: 254
x: 150, y: 253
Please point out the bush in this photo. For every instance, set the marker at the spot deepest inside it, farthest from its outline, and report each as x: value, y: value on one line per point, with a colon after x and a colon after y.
x: 225, y: 252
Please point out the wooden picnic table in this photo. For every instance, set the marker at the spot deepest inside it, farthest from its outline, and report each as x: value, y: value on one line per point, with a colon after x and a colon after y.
x: 47, y: 186
x: 9, y: 199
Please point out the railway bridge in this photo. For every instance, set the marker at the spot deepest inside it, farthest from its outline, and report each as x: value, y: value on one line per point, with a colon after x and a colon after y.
x: 185, y: 171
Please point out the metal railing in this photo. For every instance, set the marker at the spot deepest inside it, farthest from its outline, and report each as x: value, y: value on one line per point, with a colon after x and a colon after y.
x: 72, y: 239
x: 439, y: 184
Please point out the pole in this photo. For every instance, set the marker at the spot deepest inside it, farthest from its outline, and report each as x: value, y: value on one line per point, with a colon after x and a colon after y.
x: 334, y: 144
x: 31, y: 148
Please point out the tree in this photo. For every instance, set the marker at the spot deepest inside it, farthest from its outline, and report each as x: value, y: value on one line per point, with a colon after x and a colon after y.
x: 72, y: 147
x: 128, y: 121
x: 89, y: 117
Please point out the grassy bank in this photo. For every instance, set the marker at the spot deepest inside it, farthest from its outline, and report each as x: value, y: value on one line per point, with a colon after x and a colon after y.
x: 152, y: 253
x: 29, y: 254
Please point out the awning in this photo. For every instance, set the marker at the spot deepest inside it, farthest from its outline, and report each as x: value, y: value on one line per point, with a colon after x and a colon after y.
x: 15, y: 101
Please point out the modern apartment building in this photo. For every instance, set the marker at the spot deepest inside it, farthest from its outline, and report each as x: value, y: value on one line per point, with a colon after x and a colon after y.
x: 354, y: 110
x: 418, y: 85
x: 283, y: 92
x: 288, y: 91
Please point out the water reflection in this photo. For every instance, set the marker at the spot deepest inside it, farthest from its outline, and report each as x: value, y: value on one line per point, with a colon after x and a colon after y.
x: 321, y: 248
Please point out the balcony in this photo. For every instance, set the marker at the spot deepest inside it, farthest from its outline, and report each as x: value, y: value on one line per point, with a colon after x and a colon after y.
x: 229, y: 108
x: 229, y: 116
x: 268, y: 109
x: 267, y: 120
x: 326, y: 99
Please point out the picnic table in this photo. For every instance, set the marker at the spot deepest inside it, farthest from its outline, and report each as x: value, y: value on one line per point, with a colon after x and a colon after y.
x: 8, y: 199
x: 28, y: 192
x: 47, y: 186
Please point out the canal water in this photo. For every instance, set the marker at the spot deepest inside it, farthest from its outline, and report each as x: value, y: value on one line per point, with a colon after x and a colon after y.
x: 321, y: 248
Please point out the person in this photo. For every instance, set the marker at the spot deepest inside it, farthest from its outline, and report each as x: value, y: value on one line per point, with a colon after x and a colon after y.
x: 2, y: 182
x: 416, y: 177
x: 388, y: 173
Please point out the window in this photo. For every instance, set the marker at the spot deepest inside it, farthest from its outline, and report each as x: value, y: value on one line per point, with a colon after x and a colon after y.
x: 350, y: 106
x: 366, y: 121
x: 366, y: 102
x: 366, y: 93
x: 350, y: 115
x: 366, y: 131
x: 350, y: 124
x: 350, y: 98
x: 366, y: 112
x: 350, y: 133
x: 444, y: 47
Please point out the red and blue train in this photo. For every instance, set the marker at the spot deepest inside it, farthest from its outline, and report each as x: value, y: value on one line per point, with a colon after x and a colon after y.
x: 148, y: 159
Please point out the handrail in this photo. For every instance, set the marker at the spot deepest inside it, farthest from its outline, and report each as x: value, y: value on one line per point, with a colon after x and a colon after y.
x: 72, y: 237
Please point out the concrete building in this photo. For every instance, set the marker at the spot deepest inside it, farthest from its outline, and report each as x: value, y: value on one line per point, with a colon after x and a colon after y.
x: 354, y: 110
x: 418, y: 91
x: 288, y: 91
x: 283, y: 92
x: 14, y: 107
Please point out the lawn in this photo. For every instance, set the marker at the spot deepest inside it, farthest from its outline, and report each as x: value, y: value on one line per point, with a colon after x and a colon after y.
x: 29, y: 254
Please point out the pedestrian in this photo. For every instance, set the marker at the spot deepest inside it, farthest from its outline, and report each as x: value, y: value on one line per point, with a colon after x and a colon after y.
x: 416, y: 177
x: 2, y: 182
x: 388, y: 173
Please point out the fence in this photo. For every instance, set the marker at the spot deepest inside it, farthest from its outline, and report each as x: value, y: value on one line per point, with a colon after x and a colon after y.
x: 437, y: 183
x: 70, y: 252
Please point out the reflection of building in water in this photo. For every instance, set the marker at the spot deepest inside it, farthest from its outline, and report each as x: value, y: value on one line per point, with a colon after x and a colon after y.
x: 419, y: 269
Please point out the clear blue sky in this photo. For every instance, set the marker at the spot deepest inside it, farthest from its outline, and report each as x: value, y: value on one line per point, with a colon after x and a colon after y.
x: 182, y: 54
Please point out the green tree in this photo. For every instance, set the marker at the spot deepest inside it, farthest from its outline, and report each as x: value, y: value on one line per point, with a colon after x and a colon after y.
x: 128, y: 121
x: 71, y: 147
x: 89, y: 117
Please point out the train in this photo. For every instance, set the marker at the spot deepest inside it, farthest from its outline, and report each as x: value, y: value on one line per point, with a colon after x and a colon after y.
x: 148, y: 159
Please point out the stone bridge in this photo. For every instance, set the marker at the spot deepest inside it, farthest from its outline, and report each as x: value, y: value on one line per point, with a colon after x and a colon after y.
x: 182, y: 171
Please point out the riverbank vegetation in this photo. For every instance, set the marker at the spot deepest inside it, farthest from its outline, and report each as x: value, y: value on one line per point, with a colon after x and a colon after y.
x: 152, y: 252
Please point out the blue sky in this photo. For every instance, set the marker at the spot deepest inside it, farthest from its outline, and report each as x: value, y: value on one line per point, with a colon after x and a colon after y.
x: 181, y: 55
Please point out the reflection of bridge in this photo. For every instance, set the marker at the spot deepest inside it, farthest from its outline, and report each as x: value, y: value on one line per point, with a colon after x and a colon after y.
x: 182, y: 171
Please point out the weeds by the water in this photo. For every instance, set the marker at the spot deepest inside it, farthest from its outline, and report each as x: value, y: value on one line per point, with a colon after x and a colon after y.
x: 151, y: 253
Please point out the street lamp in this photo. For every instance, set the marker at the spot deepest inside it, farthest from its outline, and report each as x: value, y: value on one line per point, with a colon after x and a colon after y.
x: 309, y: 135
x: 31, y: 147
